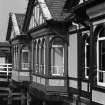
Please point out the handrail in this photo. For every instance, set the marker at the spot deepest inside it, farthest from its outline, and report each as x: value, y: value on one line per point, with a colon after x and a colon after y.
x: 6, y: 68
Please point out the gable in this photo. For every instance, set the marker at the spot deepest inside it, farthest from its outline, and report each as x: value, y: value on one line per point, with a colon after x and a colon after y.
x: 13, y: 35
x: 37, y: 17
x: 20, y: 20
x: 15, y: 24
x: 49, y: 10
x: 45, y: 9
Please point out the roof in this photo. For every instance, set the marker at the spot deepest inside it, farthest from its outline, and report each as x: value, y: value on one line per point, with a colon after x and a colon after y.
x: 55, y: 7
x: 16, y: 21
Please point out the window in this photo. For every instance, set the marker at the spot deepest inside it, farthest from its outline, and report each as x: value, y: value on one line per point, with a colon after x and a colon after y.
x: 42, y: 65
x: 14, y: 53
x: 15, y: 57
x: 37, y: 57
x: 57, y: 58
x: 101, y: 58
x: 25, y: 59
x: 40, y: 56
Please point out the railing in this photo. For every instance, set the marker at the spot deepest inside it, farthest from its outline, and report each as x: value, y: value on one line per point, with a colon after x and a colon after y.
x: 25, y: 66
x: 5, y: 69
x: 57, y: 70
x: 101, y: 77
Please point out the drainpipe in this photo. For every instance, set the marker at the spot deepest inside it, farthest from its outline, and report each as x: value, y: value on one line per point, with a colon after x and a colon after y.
x: 91, y: 60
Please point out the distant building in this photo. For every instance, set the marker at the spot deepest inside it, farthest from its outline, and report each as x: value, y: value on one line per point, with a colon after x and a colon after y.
x: 5, y: 53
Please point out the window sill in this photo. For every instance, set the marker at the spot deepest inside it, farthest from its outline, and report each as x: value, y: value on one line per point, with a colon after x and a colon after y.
x: 57, y: 75
x: 49, y: 77
x: 40, y: 75
x: 99, y: 88
x: 101, y: 84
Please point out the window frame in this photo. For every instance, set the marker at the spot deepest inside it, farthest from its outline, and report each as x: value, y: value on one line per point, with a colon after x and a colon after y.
x: 43, y: 56
x: 22, y: 51
x: 57, y: 46
x: 102, y: 38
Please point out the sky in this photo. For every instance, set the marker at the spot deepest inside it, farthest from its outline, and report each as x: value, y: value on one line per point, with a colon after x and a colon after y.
x: 7, y: 6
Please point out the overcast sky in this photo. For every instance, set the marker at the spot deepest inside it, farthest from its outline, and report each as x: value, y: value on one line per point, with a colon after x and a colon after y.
x: 6, y: 6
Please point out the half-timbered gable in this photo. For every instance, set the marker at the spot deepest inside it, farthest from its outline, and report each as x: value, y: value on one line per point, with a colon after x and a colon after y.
x: 37, y: 17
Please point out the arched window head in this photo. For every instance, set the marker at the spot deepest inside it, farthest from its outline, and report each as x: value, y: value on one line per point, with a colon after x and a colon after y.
x: 57, y: 57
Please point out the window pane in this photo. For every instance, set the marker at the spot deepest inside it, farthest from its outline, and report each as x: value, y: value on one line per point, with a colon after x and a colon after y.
x: 25, y: 57
x: 37, y: 60
x: 57, y: 65
x: 34, y: 57
x: 102, y: 55
x: 101, y: 60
